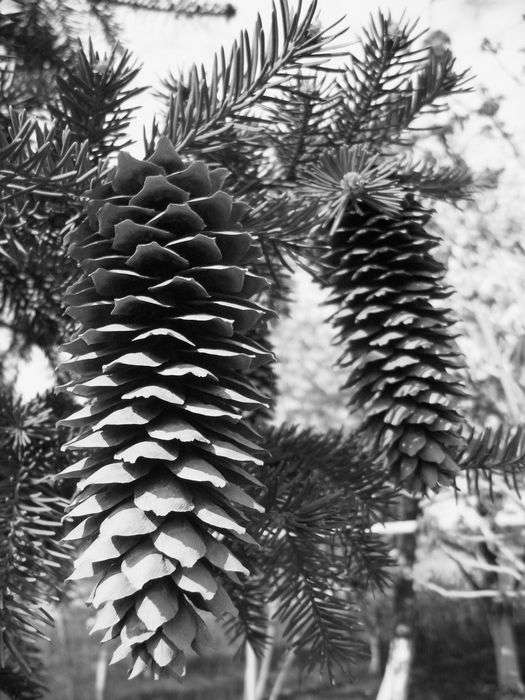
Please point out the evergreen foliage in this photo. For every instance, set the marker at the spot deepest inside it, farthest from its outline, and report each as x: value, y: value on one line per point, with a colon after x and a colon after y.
x: 179, y: 8
x: 44, y: 171
x: 313, y: 113
x: 256, y: 71
x: 321, y: 495
x: 35, y: 41
x: 494, y: 453
x: 92, y: 92
x: 391, y: 82
x: 33, y: 561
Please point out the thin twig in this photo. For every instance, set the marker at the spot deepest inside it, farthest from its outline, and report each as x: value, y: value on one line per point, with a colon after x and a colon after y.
x: 482, y: 593
x: 250, y: 672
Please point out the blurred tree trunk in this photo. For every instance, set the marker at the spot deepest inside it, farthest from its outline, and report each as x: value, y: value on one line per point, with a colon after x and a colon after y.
x: 282, y: 675
x: 250, y: 673
x: 500, y: 616
x: 501, y: 627
x: 101, y: 673
x: 374, y: 644
x: 396, y: 678
x: 61, y: 621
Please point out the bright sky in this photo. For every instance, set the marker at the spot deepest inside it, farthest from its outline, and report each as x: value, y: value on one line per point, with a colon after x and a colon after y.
x: 163, y: 43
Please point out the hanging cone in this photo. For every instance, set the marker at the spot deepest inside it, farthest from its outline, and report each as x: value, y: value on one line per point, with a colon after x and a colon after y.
x: 163, y: 304
x: 397, y: 340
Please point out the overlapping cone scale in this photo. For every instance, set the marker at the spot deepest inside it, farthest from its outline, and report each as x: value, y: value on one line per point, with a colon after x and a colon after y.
x: 398, y: 341
x: 164, y: 309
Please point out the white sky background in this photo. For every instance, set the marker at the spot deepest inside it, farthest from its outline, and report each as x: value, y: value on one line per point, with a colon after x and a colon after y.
x: 163, y: 43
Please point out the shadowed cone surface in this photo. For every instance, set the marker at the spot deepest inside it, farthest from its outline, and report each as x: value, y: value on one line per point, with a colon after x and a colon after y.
x: 164, y: 307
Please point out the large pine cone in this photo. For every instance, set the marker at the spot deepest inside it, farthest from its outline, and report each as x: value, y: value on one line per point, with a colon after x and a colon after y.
x: 163, y: 303
x: 397, y: 340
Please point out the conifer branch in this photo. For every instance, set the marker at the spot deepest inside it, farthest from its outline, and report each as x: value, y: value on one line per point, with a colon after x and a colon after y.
x: 300, y: 128
x: 429, y: 178
x: 92, y: 94
x: 490, y: 454
x: 202, y: 105
x: 40, y: 164
x: 33, y: 562
x: 285, y: 227
x: 392, y: 83
x: 317, y: 550
x: 354, y: 177
x: 180, y: 8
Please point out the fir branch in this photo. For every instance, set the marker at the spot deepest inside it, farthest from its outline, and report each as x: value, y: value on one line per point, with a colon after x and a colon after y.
x: 92, y: 94
x: 387, y: 54
x: 285, y: 226
x: 251, y: 622
x: 316, y: 616
x: 428, y: 178
x: 420, y: 94
x: 317, y: 550
x: 40, y: 163
x: 34, y: 270
x: 32, y: 560
x: 264, y: 378
x: 18, y: 686
x: 30, y: 33
x: 343, y: 464
x: 180, y: 8
x: 392, y: 83
x: 43, y: 175
x: 490, y: 454
x: 299, y: 128
x: 354, y: 177
x: 202, y: 105
x: 31, y: 51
